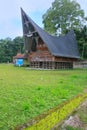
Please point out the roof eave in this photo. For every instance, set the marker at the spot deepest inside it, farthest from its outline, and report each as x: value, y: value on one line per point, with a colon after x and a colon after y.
x: 67, y: 56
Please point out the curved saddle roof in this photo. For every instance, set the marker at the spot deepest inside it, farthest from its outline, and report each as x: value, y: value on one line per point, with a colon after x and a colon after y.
x: 63, y: 46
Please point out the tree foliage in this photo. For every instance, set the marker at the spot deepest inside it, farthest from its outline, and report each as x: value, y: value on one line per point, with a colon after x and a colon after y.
x: 82, y: 41
x: 63, y: 15
x: 9, y: 48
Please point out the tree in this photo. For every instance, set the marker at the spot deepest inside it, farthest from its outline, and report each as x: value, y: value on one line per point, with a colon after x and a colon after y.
x: 5, y: 50
x: 81, y: 37
x: 9, y: 48
x: 63, y: 15
x: 18, y: 45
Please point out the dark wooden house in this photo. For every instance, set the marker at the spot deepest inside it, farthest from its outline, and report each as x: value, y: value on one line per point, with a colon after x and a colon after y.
x: 46, y: 51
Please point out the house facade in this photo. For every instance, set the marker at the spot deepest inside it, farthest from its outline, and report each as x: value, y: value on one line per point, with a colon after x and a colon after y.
x: 46, y: 51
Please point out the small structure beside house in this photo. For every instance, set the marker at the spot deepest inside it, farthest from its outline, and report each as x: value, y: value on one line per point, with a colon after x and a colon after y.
x: 46, y: 51
x: 80, y: 64
x: 18, y: 60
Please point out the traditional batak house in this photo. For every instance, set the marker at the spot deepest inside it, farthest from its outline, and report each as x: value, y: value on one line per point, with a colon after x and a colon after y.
x: 46, y: 51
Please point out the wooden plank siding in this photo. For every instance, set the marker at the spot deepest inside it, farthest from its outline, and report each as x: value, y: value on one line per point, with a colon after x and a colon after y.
x: 46, y: 51
x: 42, y: 58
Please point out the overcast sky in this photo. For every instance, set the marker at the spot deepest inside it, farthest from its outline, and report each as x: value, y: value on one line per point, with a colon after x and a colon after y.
x: 10, y: 15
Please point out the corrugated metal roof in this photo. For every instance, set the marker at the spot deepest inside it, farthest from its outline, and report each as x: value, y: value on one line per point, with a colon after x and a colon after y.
x: 63, y: 46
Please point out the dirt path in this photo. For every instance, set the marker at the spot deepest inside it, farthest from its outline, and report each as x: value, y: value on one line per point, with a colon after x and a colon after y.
x: 78, y: 120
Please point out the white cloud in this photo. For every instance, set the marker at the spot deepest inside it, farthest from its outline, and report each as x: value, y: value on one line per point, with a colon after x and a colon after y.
x: 10, y: 15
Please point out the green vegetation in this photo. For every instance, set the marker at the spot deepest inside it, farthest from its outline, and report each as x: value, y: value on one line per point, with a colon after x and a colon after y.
x: 9, y: 48
x: 82, y: 112
x: 68, y: 16
x: 79, y: 119
x: 26, y: 93
x: 71, y: 128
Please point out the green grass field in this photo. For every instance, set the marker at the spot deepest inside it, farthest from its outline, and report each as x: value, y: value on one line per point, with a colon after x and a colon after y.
x: 26, y: 93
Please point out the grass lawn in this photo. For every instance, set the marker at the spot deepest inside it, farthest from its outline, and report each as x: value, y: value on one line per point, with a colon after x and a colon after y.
x: 26, y: 93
